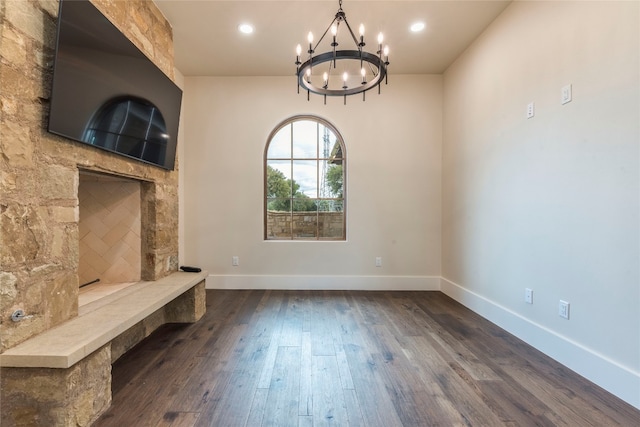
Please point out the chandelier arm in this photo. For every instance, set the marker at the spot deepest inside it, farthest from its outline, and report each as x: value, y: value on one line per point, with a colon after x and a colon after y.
x: 353, y: 36
x: 325, y: 33
x: 374, y: 70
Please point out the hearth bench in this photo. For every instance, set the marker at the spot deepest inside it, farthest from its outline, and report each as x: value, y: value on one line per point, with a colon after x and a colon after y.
x: 63, y: 375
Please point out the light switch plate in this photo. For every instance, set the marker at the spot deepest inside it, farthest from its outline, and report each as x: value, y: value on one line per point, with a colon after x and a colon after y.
x: 565, y: 94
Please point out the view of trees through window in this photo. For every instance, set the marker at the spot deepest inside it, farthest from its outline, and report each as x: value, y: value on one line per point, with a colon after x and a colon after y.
x: 304, y: 181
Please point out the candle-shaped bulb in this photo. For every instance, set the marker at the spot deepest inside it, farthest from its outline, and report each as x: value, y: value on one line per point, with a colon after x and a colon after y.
x: 345, y: 76
x: 334, y: 30
x: 298, y: 50
x: 386, y: 51
x: 380, y: 38
x: 310, y: 37
x: 361, y: 30
x: 363, y: 72
x: 325, y: 77
x: 308, y: 72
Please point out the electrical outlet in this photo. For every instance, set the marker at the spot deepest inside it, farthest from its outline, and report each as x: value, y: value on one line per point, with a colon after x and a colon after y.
x: 563, y: 309
x: 235, y: 261
x: 528, y: 296
x: 378, y: 261
x: 531, y: 110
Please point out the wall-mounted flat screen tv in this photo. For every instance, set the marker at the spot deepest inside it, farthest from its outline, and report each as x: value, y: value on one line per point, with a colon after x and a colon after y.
x: 107, y: 93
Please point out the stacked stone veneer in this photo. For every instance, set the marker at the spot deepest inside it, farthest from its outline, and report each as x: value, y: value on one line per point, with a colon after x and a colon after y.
x: 305, y: 225
x: 39, y: 181
x: 39, y: 184
x: 51, y: 400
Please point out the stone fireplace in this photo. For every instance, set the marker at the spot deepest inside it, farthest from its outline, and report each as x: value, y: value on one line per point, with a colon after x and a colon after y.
x: 44, y: 182
x: 40, y: 173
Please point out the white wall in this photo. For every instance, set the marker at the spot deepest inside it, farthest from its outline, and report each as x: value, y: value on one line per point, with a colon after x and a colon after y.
x: 393, y: 148
x: 179, y: 79
x: 552, y: 202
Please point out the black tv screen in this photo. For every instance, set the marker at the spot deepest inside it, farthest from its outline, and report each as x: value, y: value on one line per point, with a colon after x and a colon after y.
x: 107, y: 93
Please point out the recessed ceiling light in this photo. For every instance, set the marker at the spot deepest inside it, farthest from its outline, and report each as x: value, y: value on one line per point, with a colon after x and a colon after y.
x: 245, y: 28
x: 417, y: 27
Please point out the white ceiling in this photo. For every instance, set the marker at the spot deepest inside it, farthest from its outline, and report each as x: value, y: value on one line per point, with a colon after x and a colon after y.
x: 207, y: 41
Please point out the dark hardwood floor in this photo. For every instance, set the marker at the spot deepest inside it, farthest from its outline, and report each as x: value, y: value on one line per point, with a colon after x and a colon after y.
x: 333, y: 358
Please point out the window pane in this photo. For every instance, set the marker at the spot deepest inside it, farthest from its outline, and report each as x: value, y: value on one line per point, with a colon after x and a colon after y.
x: 279, y: 178
x: 331, y: 225
x: 280, y: 145
x: 336, y: 154
x: 331, y: 180
x: 328, y: 142
x: 279, y: 205
x: 305, y: 223
x: 331, y: 219
x: 278, y: 225
x: 305, y: 177
x: 305, y: 139
x: 330, y: 205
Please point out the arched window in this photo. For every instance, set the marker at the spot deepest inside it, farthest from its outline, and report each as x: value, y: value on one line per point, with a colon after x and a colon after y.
x: 304, y: 181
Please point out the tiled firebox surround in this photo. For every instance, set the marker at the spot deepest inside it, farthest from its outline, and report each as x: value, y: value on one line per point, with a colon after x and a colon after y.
x: 109, y: 229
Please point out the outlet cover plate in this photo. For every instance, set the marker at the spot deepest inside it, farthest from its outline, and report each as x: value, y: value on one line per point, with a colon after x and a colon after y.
x: 531, y: 110
x: 563, y: 309
x: 528, y: 296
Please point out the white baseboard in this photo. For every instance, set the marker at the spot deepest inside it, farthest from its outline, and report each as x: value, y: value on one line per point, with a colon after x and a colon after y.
x: 613, y: 377
x: 364, y: 283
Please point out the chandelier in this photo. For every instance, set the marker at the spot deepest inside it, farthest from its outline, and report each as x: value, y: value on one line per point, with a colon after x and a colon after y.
x: 342, y: 72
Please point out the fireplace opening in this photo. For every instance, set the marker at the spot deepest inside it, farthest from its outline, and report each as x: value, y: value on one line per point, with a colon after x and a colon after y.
x: 109, y: 234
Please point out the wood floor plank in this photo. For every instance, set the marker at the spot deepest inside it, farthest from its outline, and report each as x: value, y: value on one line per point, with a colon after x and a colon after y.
x: 346, y: 379
x: 415, y: 404
x: 353, y: 408
x: 562, y: 404
x: 292, y: 319
x: 172, y: 367
x: 232, y: 408
x: 328, y: 397
x: 373, y: 397
x: 462, y: 399
x: 350, y: 358
x: 372, y: 394
x: 216, y: 370
x: 258, y: 407
x: 270, y: 361
x: 305, y: 407
x: 179, y: 419
x: 322, y: 325
x: 281, y: 409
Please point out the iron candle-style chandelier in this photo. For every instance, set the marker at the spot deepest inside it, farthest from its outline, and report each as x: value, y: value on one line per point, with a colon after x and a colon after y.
x: 336, y: 78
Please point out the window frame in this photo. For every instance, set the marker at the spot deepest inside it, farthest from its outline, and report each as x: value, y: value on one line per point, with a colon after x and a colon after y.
x: 318, y: 158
